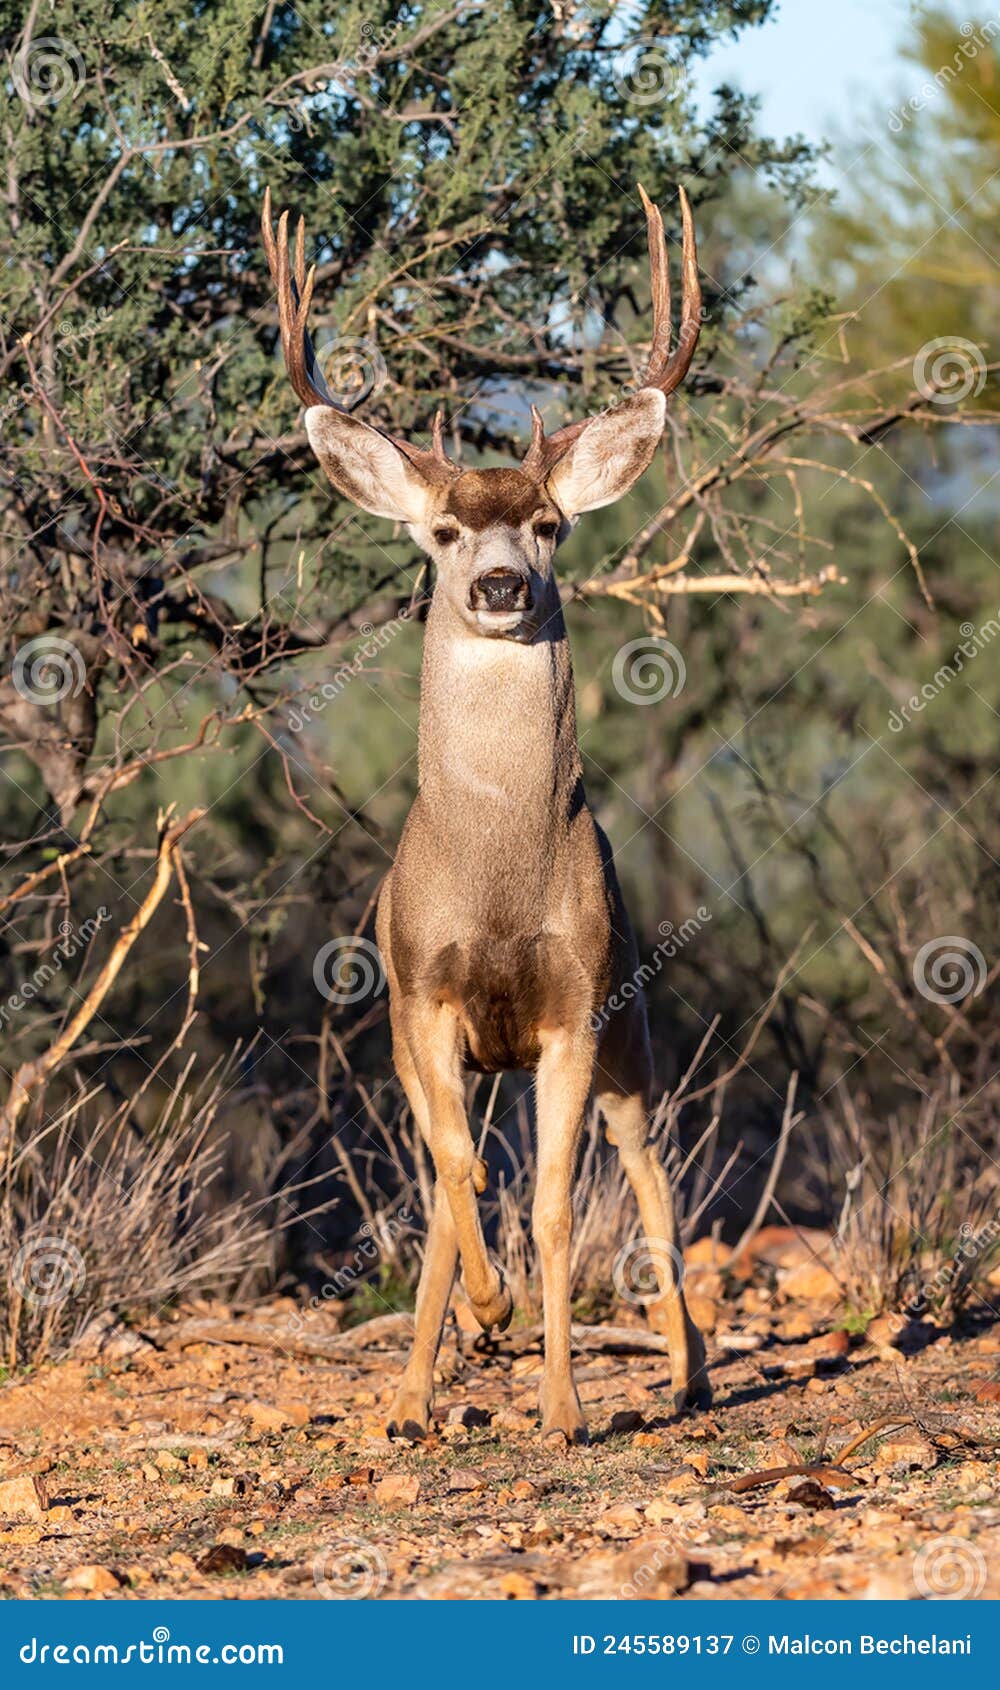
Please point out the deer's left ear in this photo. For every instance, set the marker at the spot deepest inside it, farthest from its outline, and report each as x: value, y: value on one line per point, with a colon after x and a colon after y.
x: 610, y: 455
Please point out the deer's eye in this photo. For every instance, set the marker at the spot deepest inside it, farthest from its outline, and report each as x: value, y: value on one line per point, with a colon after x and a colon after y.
x: 547, y: 529
x: 444, y: 536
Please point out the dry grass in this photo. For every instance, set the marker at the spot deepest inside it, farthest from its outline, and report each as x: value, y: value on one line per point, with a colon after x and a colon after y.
x: 99, y: 1217
x: 919, y: 1219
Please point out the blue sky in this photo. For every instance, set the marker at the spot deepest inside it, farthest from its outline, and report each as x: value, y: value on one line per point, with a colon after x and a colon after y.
x: 818, y: 61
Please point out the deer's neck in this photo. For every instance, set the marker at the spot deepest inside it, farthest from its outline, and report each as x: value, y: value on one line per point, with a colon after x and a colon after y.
x: 498, y: 728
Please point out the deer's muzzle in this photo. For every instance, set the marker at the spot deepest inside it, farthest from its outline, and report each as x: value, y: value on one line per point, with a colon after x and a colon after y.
x: 500, y: 590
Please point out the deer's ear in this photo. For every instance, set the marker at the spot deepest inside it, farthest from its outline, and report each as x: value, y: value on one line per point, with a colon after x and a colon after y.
x: 610, y: 455
x: 365, y: 466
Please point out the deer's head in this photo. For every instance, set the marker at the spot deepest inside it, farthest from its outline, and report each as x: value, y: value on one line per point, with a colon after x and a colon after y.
x: 491, y: 533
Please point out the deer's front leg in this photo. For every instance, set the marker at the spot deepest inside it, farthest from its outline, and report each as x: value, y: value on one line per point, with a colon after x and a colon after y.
x: 409, y: 1416
x: 435, y: 1042
x: 562, y: 1086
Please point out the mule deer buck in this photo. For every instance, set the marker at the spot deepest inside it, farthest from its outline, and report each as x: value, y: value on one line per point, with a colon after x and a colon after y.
x: 501, y: 924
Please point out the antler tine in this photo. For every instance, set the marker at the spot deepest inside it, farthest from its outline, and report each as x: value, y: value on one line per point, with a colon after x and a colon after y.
x: 294, y: 286
x: 659, y: 282
x: 665, y: 370
x: 300, y: 254
x: 294, y: 292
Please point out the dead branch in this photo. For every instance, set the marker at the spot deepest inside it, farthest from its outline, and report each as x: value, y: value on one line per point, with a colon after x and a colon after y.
x: 30, y: 1075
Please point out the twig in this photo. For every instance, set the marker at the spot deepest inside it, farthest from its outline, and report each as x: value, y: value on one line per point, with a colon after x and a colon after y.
x: 30, y: 1075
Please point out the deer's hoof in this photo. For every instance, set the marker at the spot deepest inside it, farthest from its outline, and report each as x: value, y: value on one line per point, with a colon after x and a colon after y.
x: 693, y: 1393
x: 409, y: 1417
x: 563, y: 1424
x: 497, y: 1312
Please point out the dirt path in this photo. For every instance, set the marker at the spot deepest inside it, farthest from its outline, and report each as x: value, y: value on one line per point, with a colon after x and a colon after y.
x: 168, y: 1467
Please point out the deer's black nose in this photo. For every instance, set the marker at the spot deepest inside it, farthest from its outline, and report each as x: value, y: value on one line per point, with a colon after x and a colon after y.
x: 500, y: 589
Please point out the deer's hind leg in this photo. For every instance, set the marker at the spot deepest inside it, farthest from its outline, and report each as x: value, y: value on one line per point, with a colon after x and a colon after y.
x: 622, y: 1086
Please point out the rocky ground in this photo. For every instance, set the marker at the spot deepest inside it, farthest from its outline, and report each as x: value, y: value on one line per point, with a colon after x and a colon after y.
x: 231, y: 1454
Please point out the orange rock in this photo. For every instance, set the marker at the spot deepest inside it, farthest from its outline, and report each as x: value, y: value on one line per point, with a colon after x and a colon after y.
x: 397, y: 1490
x: 728, y: 1512
x: 23, y: 1498
x: 266, y: 1417
x: 623, y: 1521
x: 462, y: 1479
x: 830, y: 1346
x: 810, y: 1282
x: 786, y: 1246
x: 779, y: 1454
x: 906, y: 1449
x: 703, y: 1311
x: 800, y: 1324
x: 96, y: 1580
x: 517, y: 1587
x: 661, y: 1509
x: 681, y: 1483
x: 23, y: 1534
x: 708, y: 1281
x: 706, y: 1252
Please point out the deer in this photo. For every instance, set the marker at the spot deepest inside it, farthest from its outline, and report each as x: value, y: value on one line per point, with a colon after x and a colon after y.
x: 501, y: 924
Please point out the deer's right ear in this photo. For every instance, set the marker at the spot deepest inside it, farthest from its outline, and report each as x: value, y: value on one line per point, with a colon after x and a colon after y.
x: 365, y: 466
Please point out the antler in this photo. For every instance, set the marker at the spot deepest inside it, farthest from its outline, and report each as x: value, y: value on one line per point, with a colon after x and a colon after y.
x: 295, y: 288
x: 666, y: 370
